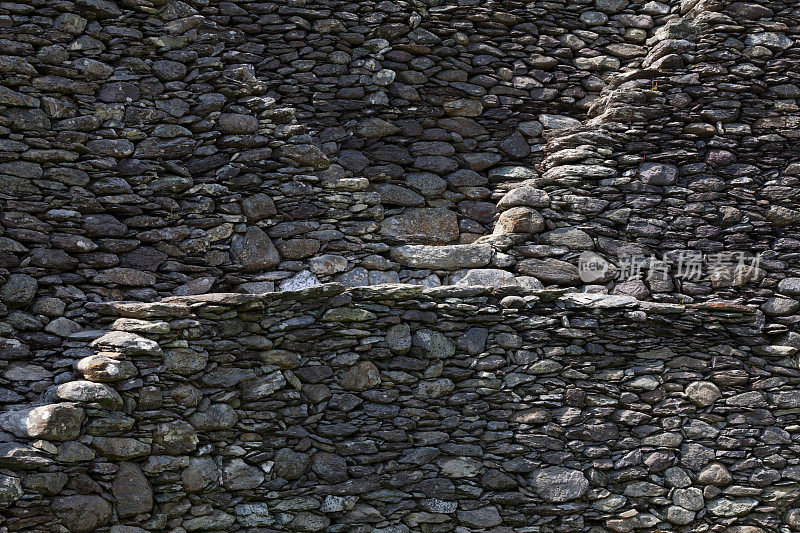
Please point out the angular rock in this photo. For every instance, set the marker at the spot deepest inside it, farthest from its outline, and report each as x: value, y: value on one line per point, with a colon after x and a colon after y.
x: 428, y: 225
x: 450, y: 257
x: 558, y: 485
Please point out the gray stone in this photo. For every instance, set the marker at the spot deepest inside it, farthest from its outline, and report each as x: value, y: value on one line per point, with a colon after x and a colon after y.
x: 10, y: 489
x: 780, y: 306
x: 127, y: 343
x: 398, y: 339
x: 19, y: 290
x: 572, y: 238
x: 238, y: 475
x: 519, y: 220
x: 132, y: 492
x: 774, y: 40
x: 558, y: 122
x: 57, y: 421
x: 428, y: 225
x: 216, y: 521
x: 253, y: 514
x: 290, y: 464
x: 91, y: 393
x: 373, y: 128
x: 328, y: 264
x: 300, y: 281
x: 726, y: 507
x: 557, y: 485
x: 489, y: 277
x: 433, y: 345
x: 525, y: 196
x: 254, y: 250
x: 218, y: 416
x: 82, y: 513
x: 450, y: 257
x: 329, y: 467
x: 703, y: 393
x: 201, y: 472
x: 263, y: 387
x: 550, y: 271
x: 364, y: 375
x: 483, y: 517
x: 176, y: 438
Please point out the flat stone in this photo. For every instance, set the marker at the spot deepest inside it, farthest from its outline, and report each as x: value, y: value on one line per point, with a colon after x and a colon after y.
x: 57, y: 421
x: 731, y: 507
x: 374, y: 128
x: 557, y: 485
x: 488, y: 277
x: 443, y: 257
x: 558, y: 122
x: 91, y: 393
x: 482, y: 517
x: 238, y: 475
x: 127, y: 343
x: 524, y: 196
x: 216, y: 521
x: 550, y: 271
x: 429, y: 225
x: 572, y: 238
x: 120, y: 448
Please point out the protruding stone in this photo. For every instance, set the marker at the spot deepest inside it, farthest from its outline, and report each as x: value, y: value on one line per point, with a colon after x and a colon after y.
x: 90, y: 393
x: 450, y: 257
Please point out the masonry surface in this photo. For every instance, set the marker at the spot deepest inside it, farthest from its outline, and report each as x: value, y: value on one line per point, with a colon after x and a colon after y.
x: 347, y: 236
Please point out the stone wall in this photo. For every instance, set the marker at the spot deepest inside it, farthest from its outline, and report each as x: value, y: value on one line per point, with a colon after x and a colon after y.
x: 403, y: 408
x: 182, y: 147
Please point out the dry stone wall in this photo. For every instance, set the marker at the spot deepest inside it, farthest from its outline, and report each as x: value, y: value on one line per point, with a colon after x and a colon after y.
x: 158, y: 150
x: 403, y: 408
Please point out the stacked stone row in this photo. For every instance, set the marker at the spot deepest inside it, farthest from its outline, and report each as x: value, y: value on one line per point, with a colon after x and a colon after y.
x: 403, y: 408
